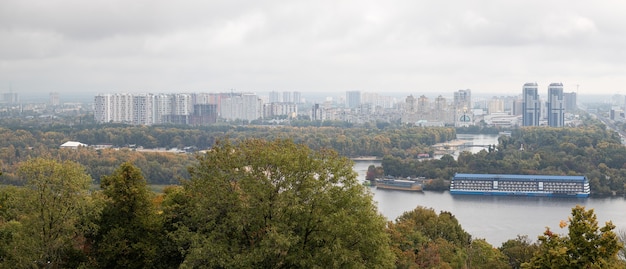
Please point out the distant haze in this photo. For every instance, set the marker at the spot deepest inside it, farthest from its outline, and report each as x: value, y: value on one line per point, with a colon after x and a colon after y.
x: 89, y: 47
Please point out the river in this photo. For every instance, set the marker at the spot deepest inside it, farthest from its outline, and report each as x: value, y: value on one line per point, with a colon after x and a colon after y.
x: 496, y: 219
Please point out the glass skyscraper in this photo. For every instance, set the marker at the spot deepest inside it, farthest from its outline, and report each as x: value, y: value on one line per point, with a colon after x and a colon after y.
x: 531, y: 106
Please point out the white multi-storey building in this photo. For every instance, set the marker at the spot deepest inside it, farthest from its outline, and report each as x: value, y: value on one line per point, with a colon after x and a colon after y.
x: 271, y: 110
x: 274, y: 97
x: 252, y: 106
x: 102, y: 108
x: 297, y: 97
x: 113, y: 108
x: 142, y: 109
x: 245, y: 106
x: 181, y: 104
x: 162, y: 105
x: 353, y: 99
x: 495, y: 105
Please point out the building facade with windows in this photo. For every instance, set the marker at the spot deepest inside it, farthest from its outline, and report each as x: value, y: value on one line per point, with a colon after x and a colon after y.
x: 353, y: 99
x: 556, y: 105
x: 531, y: 107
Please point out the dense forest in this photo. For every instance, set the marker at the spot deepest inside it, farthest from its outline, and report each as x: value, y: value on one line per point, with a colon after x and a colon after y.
x: 257, y: 204
x: 22, y: 139
x: 591, y: 149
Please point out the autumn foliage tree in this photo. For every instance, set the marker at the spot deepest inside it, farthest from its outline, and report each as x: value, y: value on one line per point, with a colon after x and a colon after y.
x: 586, y: 245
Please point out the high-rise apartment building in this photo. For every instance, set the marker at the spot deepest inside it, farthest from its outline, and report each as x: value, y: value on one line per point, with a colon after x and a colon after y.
x: 287, y: 97
x: 353, y: 99
x: 274, y: 97
x: 463, y: 108
x: 423, y: 105
x: 246, y: 106
x: 410, y: 113
x: 569, y: 99
x: 463, y: 99
x: 297, y: 97
x: 495, y: 105
x: 113, y: 108
x: 181, y: 104
x: 271, y: 110
x: 102, y: 108
x: 10, y: 98
x: 162, y: 105
x: 204, y: 114
x: 317, y: 112
x: 441, y: 112
x: 55, y: 100
x: 556, y: 106
x: 252, y: 107
x: 531, y: 106
x: 142, y: 109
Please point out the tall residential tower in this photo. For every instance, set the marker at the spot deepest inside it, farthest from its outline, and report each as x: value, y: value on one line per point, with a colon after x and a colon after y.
x: 530, y: 107
x: 353, y: 99
x: 556, y: 106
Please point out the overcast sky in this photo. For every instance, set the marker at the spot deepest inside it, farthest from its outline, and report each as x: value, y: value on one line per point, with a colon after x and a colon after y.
x: 323, y: 46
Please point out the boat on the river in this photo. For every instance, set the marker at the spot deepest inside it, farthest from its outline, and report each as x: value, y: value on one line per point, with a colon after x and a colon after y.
x: 520, y: 185
x: 399, y: 184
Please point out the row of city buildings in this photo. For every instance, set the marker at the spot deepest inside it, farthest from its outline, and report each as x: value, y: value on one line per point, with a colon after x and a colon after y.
x: 187, y: 108
x: 526, y: 109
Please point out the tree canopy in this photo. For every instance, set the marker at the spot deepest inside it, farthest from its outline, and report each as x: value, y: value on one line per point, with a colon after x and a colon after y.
x: 278, y: 204
x: 422, y: 238
x: 42, y: 221
x: 586, y: 245
x: 128, y: 227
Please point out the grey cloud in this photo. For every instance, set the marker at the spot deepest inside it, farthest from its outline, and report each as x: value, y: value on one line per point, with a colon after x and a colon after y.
x: 309, y: 45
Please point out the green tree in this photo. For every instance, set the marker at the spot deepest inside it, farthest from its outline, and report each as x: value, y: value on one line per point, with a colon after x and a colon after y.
x: 10, y: 206
x: 518, y: 250
x: 129, y: 229
x: 46, y: 222
x: 482, y: 255
x: 261, y: 204
x: 585, y: 246
x: 422, y: 238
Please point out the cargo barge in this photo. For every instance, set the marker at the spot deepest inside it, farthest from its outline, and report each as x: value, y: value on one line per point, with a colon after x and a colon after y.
x: 520, y: 185
x: 399, y: 184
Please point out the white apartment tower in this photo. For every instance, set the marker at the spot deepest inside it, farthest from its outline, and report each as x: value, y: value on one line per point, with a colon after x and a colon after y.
x: 297, y: 97
x: 245, y: 106
x: 287, y: 97
x: 162, y: 105
x: 142, y: 109
x: 181, y: 104
x: 275, y: 97
x: 113, y: 108
x: 353, y: 99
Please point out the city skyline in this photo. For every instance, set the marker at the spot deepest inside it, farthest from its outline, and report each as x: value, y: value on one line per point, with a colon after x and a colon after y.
x: 269, y: 96
x: 75, y: 47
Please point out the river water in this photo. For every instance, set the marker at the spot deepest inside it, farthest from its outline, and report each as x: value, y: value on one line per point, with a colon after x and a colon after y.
x: 496, y: 219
